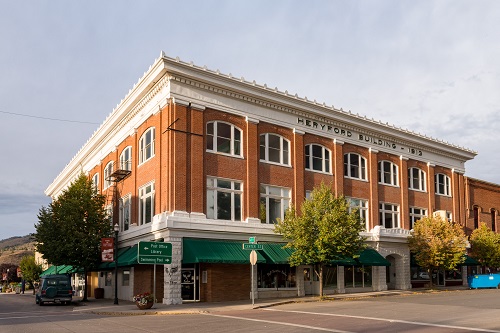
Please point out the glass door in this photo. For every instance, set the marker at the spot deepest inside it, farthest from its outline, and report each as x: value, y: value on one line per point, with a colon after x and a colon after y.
x: 189, y: 285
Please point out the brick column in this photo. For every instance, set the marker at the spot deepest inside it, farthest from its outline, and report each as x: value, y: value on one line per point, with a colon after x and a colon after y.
x: 431, y: 190
x: 373, y: 181
x: 298, y: 167
x: 403, y: 187
x: 172, y: 273
x: 196, y: 161
x: 338, y: 167
x: 458, y: 197
x: 251, y: 188
x: 340, y: 280
x: 179, y: 157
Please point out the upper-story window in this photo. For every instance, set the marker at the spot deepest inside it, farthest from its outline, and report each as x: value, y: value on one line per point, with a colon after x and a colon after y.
x: 493, y: 219
x: 416, y: 214
x: 355, y: 166
x: 224, y: 198
x: 475, y: 211
x: 317, y: 158
x: 274, y: 148
x: 362, y: 206
x: 95, y: 181
x: 274, y: 201
x: 147, y: 145
x: 417, y: 179
x: 126, y: 159
x: 124, y: 207
x: 389, y: 215
x: 146, y: 203
x: 387, y: 173
x: 224, y: 138
x: 108, y: 170
x: 443, y: 184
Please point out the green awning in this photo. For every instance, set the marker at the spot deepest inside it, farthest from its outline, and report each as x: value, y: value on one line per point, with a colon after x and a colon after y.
x: 344, y: 262
x: 275, y: 253
x: 61, y: 269
x: 370, y: 257
x: 469, y: 261
x: 127, y: 256
x: 216, y: 252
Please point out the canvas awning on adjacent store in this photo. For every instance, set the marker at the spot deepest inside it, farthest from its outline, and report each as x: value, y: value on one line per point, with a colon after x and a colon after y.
x: 60, y: 269
x: 215, y: 252
x: 370, y: 257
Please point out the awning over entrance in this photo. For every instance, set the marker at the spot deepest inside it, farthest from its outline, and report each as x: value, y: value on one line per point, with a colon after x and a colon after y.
x: 61, y: 269
x: 127, y: 256
x: 370, y: 257
x: 216, y: 252
x: 275, y: 253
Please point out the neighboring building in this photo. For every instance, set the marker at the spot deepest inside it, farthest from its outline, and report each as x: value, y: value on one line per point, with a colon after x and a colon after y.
x: 204, y: 160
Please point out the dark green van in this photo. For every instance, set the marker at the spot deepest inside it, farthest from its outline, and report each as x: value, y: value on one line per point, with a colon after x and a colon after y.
x: 54, y: 288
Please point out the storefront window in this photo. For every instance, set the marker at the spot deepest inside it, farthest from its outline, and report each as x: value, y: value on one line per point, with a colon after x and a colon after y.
x: 358, y: 276
x: 276, y: 276
x: 330, y: 277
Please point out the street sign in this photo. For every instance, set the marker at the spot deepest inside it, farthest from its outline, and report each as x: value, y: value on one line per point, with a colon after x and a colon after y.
x: 251, y: 239
x: 250, y: 246
x: 253, y: 257
x: 154, y: 253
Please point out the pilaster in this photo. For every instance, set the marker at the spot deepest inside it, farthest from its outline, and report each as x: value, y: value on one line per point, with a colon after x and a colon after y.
x: 172, y: 274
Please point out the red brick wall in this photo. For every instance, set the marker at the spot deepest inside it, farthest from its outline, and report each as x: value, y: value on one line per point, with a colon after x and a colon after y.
x: 225, y: 282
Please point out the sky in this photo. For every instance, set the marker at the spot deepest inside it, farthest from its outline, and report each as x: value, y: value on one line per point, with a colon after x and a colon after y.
x: 429, y: 66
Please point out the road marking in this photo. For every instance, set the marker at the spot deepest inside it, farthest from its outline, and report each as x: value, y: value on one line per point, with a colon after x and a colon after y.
x: 45, y: 315
x: 388, y: 320
x: 279, y: 323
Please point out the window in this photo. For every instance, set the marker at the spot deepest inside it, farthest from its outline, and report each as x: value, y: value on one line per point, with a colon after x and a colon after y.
x: 387, y: 173
x: 362, y: 206
x: 147, y: 145
x: 146, y: 203
x: 416, y: 214
x: 108, y: 171
x: 224, y: 199
x: 126, y: 159
x: 124, y: 213
x: 317, y: 158
x: 389, y: 215
x: 442, y: 183
x: 355, y: 166
x: 126, y: 278
x: 476, y: 217
x: 95, y: 181
x: 274, y: 201
x: 493, y: 220
x: 224, y: 138
x: 274, y: 149
x: 417, y: 179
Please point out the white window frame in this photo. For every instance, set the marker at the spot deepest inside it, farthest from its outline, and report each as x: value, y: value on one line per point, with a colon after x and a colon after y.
x: 235, y: 144
x: 145, y: 146
x: 126, y: 159
x: 361, y: 167
x: 216, y: 186
x: 146, y: 192
x: 390, y: 177
x: 276, y: 193
x: 389, y: 210
x: 362, y: 206
x: 95, y: 181
x: 418, y: 183
x: 325, y: 158
x: 445, y: 182
x: 125, y: 208
x: 416, y: 213
x: 284, y: 150
x: 108, y: 171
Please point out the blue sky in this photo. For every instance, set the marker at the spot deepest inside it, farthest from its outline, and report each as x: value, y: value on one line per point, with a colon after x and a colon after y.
x: 430, y: 66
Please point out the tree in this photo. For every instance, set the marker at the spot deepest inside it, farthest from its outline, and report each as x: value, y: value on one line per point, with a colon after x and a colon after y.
x: 30, y: 269
x: 485, y: 246
x: 437, y: 244
x: 70, y: 229
x: 324, y: 231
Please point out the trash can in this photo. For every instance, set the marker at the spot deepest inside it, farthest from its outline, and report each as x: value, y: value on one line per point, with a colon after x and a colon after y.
x: 483, y: 281
x: 98, y: 293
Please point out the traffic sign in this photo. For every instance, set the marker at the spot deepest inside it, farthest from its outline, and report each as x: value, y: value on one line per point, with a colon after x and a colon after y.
x: 251, y: 239
x: 253, y: 257
x: 251, y: 246
x: 154, y: 253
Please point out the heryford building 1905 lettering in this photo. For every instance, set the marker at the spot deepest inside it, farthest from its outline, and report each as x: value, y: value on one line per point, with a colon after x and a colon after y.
x: 324, y: 127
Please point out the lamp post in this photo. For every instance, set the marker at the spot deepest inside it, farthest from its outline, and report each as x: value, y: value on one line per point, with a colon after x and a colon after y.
x: 116, y: 228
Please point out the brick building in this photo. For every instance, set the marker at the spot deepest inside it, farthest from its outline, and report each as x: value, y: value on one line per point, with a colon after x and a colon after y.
x: 203, y: 160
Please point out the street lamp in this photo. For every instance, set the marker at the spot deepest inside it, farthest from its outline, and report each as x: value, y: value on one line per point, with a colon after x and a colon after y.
x: 116, y: 228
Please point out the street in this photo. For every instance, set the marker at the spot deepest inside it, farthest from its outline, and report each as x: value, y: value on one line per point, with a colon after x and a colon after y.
x: 447, y: 311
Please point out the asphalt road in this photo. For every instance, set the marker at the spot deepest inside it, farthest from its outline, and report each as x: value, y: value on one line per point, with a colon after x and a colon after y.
x: 453, y: 311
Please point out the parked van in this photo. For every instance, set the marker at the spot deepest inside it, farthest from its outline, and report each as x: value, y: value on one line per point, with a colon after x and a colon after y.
x: 54, y: 288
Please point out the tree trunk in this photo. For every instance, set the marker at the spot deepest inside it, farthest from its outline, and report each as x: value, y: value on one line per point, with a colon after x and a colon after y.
x: 85, y: 299
x: 320, y: 280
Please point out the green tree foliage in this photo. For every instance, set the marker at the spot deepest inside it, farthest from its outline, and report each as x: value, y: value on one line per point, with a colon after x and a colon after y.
x: 70, y: 229
x: 485, y: 246
x: 437, y: 243
x: 30, y: 269
x: 323, y: 232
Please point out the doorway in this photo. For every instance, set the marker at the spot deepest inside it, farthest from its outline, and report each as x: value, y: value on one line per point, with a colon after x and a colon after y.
x: 189, y: 284
x: 308, y: 280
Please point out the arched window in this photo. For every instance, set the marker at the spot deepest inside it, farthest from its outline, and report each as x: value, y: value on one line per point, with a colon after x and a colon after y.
x: 108, y: 170
x: 355, y: 166
x: 387, y: 173
x: 443, y: 184
x: 224, y: 138
x: 317, y: 158
x: 476, y: 217
x: 274, y: 149
x: 147, y: 145
x: 493, y: 219
x: 417, y: 179
x: 126, y: 159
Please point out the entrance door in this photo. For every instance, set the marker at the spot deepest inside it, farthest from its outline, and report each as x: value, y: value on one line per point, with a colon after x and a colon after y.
x: 189, y: 288
x: 308, y: 281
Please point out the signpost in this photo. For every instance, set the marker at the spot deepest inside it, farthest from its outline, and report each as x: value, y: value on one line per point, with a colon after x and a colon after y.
x: 154, y: 253
x: 252, y: 245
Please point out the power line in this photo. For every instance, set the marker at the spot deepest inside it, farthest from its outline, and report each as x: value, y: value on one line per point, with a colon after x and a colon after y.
x: 47, y: 118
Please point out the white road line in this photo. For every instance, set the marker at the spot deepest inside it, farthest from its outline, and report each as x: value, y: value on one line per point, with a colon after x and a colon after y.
x: 46, y: 315
x: 279, y: 323
x: 388, y: 320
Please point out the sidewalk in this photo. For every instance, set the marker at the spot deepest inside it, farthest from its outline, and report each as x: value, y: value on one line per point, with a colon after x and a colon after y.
x: 106, y: 306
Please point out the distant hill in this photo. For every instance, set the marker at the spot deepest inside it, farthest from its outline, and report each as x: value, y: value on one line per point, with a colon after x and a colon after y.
x: 13, y: 249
